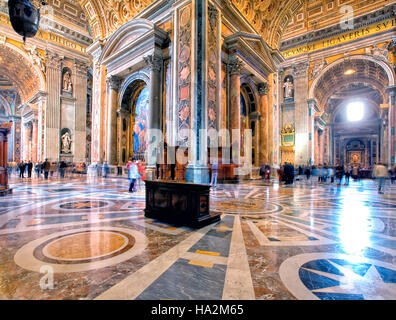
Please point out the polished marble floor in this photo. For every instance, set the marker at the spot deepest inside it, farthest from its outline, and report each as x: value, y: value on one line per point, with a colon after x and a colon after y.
x: 87, y: 238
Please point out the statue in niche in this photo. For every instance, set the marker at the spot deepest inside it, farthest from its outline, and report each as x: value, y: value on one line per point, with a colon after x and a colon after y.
x: 66, y: 142
x: 67, y: 83
x: 288, y: 86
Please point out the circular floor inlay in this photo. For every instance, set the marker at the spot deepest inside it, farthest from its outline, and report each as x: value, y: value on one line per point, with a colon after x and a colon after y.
x: 244, y: 207
x: 86, y: 245
x: 82, y: 205
x: 82, y: 249
x: 332, y: 276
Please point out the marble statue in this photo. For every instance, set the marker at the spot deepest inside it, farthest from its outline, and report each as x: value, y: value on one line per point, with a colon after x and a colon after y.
x: 67, y: 83
x: 288, y: 89
x: 66, y: 142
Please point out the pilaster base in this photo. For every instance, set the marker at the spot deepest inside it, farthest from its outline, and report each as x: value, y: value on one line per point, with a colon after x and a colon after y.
x: 4, y: 192
x: 151, y: 173
x: 197, y: 174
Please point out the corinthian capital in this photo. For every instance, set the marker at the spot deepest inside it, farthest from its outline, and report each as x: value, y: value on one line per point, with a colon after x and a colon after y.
x: 53, y: 60
x: 300, y: 70
x: 263, y: 89
x: 113, y: 82
x: 235, y: 65
x: 154, y: 62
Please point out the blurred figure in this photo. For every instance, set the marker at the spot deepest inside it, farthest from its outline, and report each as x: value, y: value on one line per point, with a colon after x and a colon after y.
x: 21, y: 167
x: 288, y: 172
x: 307, y: 173
x: 339, y: 173
x: 29, y: 167
x: 133, y: 175
x: 393, y: 176
x: 105, y: 169
x: 46, y: 168
x: 380, y: 172
x: 213, y: 181
x: 62, y: 168
x: 348, y: 174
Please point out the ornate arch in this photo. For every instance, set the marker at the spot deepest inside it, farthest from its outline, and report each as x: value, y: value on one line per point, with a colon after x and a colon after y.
x: 385, y: 75
x: 6, y: 105
x: 141, y: 76
x: 21, y: 71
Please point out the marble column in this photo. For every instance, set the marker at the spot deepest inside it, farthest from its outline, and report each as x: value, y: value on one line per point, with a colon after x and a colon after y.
x: 53, y: 88
x: 197, y: 170
x: 113, y: 84
x: 34, y: 139
x: 302, y: 113
x: 263, y: 90
x: 155, y: 63
x: 392, y: 124
x: 80, y: 93
x: 4, y: 131
x: 235, y: 66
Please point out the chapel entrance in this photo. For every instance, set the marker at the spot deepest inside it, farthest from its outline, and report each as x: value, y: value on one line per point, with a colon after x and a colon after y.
x: 133, y: 121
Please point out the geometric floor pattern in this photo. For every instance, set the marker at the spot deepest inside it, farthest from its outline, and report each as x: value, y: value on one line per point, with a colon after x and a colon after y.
x: 87, y: 238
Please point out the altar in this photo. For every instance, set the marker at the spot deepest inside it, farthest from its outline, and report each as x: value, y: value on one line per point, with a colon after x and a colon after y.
x: 179, y: 203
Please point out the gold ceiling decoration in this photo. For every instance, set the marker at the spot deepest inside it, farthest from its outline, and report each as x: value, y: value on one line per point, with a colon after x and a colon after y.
x: 106, y: 16
x: 19, y: 71
x: 269, y: 17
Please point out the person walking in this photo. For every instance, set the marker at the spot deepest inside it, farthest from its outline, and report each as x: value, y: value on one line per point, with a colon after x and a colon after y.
x: 46, y: 168
x: 348, y: 174
x: 393, y: 170
x: 29, y: 167
x: 289, y: 173
x: 213, y: 181
x: 105, y: 169
x: 380, y: 172
x: 307, y: 173
x: 339, y: 173
x: 21, y: 167
x: 133, y: 174
x: 62, y: 168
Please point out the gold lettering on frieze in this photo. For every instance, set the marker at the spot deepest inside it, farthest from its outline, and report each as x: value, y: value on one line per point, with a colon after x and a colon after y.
x: 343, y: 38
x: 43, y: 35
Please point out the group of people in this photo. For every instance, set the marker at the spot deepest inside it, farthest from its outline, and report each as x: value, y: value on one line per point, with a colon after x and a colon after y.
x: 331, y: 174
x: 136, y: 172
x: 46, y: 168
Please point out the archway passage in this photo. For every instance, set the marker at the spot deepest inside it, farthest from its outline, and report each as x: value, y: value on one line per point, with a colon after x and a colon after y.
x: 351, y: 93
x: 134, y: 121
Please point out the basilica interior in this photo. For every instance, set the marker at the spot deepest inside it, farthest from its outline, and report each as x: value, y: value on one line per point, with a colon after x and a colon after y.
x: 191, y: 90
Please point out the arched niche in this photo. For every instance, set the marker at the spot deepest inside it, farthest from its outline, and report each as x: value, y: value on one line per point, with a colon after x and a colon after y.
x: 250, y: 119
x: 133, y: 118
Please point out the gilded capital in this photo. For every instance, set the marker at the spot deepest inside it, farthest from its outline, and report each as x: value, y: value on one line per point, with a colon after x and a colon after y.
x: 154, y: 62
x: 235, y: 65
x: 263, y: 89
x: 113, y: 82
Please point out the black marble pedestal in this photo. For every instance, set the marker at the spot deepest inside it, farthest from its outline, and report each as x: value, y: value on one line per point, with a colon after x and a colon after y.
x: 179, y: 203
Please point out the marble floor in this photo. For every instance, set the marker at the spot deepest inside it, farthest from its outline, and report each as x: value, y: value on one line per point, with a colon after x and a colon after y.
x: 87, y: 238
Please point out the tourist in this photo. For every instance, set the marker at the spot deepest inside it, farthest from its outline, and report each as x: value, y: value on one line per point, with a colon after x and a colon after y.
x: 46, y: 168
x: 213, y: 181
x: 267, y: 172
x: 348, y: 174
x: 133, y: 174
x: 37, y: 169
x: 21, y: 167
x: 393, y: 177
x: 380, y: 173
x: 29, y: 167
x: 307, y: 173
x: 62, y: 168
x: 288, y: 173
x: 105, y: 169
x: 339, y: 173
